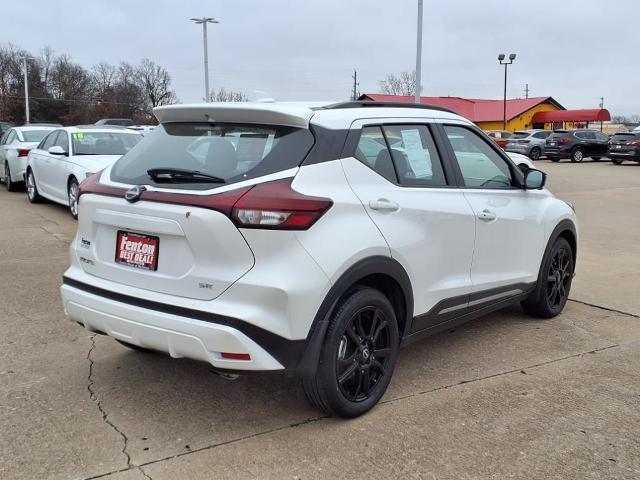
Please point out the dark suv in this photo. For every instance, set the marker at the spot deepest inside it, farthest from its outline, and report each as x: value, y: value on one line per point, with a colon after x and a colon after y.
x: 576, y: 145
x: 624, y: 146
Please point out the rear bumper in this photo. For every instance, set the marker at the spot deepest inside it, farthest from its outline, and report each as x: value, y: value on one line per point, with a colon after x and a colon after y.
x: 178, y: 331
x: 523, y: 149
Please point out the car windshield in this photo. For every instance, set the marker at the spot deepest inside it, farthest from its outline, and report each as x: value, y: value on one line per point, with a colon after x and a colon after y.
x: 34, y: 135
x: 232, y: 152
x: 103, y: 143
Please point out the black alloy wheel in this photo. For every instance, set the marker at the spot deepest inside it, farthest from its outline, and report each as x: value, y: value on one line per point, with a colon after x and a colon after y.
x: 535, y: 153
x: 559, y: 278
x: 358, y: 355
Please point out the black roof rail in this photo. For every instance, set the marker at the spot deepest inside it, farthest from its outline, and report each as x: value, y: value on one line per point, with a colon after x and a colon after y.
x: 369, y: 103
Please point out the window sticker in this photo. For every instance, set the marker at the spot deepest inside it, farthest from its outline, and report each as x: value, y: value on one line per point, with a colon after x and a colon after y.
x: 78, y: 136
x: 419, y: 162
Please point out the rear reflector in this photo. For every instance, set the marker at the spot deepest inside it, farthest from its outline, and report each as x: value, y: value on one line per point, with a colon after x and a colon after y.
x: 23, y: 152
x: 236, y: 356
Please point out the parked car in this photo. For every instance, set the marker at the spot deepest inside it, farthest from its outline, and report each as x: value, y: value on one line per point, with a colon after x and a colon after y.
x: 121, y: 122
x: 500, y: 137
x: 624, y: 146
x: 66, y: 156
x: 292, y: 249
x: 4, y: 126
x: 528, y: 142
x: 14, y: 148
x: 142, y: 129
x: 576, y: 145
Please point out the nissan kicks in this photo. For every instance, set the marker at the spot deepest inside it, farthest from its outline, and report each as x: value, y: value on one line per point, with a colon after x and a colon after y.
x: 313, y: 240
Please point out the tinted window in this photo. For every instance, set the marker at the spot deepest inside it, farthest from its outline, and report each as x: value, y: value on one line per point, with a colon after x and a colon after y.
x: 601, y: 136
x: 480, y: 165
x: 49, y: 140
x: 518, y: 135
x: 541, y: 135
x: 62, y: 141
x: 372, y: 151
x: 234, y: 152
x: 103, y: 143
x: 34, y: 135
x: 415, y: 156
x: 624, y: 137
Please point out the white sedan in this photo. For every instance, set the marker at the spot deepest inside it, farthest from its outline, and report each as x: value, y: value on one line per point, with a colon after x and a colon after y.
x: 14, y: 148
x: 69, y: 155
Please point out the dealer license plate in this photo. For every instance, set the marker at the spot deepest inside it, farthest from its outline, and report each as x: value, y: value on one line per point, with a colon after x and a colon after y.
x: 137, y: 250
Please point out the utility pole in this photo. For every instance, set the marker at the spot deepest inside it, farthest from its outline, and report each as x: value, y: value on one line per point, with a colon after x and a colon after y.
x: 526, y: 90
x: 354, y: 95
x: 203, y: 21
x: 601, y: 107
x: 419, y: 53
x: 26, y: 91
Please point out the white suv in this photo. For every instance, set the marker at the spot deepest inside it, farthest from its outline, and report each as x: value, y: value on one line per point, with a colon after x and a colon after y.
x: 312, y: 240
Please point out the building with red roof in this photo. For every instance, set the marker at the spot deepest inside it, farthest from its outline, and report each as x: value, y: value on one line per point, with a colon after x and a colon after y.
x: 522, y: 113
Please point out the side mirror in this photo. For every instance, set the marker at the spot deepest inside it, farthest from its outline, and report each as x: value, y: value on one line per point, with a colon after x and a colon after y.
x: 57, y: 150
x: 534, y: 179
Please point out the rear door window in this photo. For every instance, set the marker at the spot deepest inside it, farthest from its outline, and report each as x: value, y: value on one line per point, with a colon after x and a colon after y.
x: 372, y: 151
x: 415, y: 156
x: 232, y: 152
x: 49, y: 140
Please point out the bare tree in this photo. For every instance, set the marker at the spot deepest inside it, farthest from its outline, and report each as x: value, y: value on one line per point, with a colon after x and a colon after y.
x: 635, y: 118
x: 402, y: 84
x: 156, y: 83
x: 224, y: 95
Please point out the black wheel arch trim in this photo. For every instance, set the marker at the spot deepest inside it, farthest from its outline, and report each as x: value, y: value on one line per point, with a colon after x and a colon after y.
x: 563, y: 226
x: 375, y: 265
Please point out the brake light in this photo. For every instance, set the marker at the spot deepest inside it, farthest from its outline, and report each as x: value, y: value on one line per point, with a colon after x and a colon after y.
x: 565, y: 139
x: 634, y: 143
x: 524, y: 141
x: 275, y: 205
x: 23, y: 152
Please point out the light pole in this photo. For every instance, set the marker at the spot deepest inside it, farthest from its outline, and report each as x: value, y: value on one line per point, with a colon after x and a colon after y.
x: 203, y: 21
x: 419, y: 53
x: 501, y: 59
x: 26, y: 91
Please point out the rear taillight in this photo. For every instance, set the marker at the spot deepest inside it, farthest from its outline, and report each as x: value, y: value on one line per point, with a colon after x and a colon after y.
x: 634, y: 143
x: 565, y: 139
x: 23, y: 152
x: 524, y: 141
x: 275, y: 205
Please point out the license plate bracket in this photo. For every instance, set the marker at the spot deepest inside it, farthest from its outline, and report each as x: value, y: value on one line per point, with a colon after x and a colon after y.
x: 137, y: 250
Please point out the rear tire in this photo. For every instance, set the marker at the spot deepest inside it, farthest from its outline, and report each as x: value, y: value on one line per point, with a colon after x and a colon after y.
x: 596, y: 159
x: 617, y: 161
x: 32, y: 188
x: 358, y: 355
x: 8, y: 183
x: 554, y: 282
x: 577, y: 155
x: 554, y: 159
x: 535, y: 153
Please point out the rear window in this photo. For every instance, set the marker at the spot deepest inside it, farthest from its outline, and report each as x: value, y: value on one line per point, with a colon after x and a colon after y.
x: 34, y: 135
x: 233, y: 152
x: 625, y: 137
x: 103, y: 143
x: 518, y: 135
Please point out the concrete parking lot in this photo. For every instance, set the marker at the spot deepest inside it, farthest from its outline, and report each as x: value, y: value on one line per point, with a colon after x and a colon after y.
x: 506, y: 396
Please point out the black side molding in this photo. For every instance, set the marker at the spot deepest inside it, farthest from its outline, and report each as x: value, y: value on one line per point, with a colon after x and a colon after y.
x: 287, y: 352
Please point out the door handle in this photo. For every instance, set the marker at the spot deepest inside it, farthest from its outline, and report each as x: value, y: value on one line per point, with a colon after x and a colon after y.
x: 383, y: 204
x: 487, y: 215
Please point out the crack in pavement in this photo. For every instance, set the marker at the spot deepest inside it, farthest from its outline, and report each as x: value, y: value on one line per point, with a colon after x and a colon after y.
x: 322, y: 417
x: 608, y: 309
x: 94, y: 398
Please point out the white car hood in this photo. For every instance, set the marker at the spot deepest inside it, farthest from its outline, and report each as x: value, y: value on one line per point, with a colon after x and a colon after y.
x: 95, y: 163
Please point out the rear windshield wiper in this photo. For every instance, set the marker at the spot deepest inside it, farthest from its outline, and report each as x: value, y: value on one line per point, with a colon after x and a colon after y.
x: 180, y: 175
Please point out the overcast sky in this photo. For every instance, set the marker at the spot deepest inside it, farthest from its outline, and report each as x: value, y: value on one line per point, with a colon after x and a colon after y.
x: 573, y: 50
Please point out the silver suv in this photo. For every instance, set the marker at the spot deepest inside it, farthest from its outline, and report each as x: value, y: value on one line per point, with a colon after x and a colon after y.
x: 528, y: 142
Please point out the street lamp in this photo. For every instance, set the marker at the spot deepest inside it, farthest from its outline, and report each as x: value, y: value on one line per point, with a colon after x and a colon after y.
x: 419, y: 53
x: 203, y: 21
x: 501, y: 59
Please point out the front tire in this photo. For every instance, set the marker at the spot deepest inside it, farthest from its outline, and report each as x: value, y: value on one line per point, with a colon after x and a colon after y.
x: 554, y: 282
x: 617, y: 161
x: 72, y: 195
x: 596, y: 159
x: 32, y: 188
x: 358, y: 355
x: 577, y: 155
